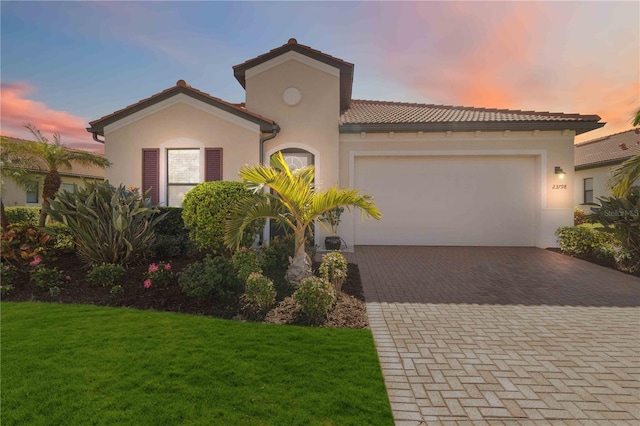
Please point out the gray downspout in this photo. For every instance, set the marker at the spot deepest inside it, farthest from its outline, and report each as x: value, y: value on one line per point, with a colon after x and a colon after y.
x: 274, y: 132
x: 95, y: 138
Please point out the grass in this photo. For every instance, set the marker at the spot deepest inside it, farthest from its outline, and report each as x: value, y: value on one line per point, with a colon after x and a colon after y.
x: 75, y: 364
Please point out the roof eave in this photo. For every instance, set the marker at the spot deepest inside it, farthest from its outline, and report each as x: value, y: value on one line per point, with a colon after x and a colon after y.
x: 598, y: 164
x: 496, y: 126
x: 99, y: 125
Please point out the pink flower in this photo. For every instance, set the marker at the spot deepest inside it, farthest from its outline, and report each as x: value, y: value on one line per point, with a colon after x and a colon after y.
x: 153, y: 267
x: 147, y: 283
x: 68, y: 278
x: 36, y: 261
x: 167, y: 267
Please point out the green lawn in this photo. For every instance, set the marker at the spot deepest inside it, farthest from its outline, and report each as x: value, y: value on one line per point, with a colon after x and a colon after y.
x: 78, y: 365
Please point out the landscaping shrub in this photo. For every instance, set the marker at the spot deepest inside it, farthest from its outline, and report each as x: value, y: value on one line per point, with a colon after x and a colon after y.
x: 105, y: 274
x: 47, y: 278
x: 62, y: 237
x: 172, y: 237
x: 579, y: 216
x: 213, y: 276
x: 7, y: 275
x: 334, y: 269
x: 108, y: 224
x: 621, y: 216
x: 205, y: 210
x: 160, y: 274
x: 275, y: 262
x: 587, y: 242
x: 259, y: 292
x: 315, y: 297
x: 22, y: 244
x: 23, y: 215
x: 246, y: 261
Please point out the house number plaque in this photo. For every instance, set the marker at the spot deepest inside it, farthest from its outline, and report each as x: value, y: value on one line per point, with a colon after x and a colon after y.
x: 559, y: 186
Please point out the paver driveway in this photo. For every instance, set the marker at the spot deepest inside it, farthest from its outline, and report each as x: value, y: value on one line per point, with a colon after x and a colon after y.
x: 503, y: 335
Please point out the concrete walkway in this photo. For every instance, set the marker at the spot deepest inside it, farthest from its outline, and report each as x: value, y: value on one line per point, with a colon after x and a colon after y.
x: 485, y: 335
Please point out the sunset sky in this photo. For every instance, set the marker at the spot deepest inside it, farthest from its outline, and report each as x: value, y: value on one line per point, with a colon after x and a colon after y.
x: 64, y: 64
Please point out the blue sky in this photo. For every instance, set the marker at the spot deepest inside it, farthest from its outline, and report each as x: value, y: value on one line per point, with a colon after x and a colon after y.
x: 66, y: 63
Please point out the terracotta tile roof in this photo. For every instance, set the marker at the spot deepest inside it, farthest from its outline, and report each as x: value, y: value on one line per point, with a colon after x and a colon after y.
x: 377, y: 112
x: 607, y: 150
x: 180, y: 87
x: 346, y: 68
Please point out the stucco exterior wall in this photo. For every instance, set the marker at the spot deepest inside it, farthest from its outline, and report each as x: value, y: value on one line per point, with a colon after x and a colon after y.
x: 555, y: 193
x: 600, y: 177
x: 312, y: 124
x: 13, y: 195
x: 180, y: 122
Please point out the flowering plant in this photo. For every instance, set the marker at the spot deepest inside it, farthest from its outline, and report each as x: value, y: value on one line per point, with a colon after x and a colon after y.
x: 159, y: 273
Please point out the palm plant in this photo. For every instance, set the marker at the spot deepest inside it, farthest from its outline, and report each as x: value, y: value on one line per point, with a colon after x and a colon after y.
x: 41, y: 156
x: 294, y: 202
x: 622, y: 177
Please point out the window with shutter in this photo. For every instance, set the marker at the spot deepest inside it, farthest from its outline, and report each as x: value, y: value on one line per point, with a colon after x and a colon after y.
x: 151, y: 173
x: 213, y: 164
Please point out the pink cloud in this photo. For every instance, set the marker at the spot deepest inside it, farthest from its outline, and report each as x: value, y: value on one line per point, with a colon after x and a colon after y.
x: 17, y: 110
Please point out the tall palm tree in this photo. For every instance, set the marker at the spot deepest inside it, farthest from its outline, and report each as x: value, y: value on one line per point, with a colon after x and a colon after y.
x: 295, y: 203
x: 48, y: 158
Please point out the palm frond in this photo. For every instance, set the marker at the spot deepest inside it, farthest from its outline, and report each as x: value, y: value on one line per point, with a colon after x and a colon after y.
x: 622, y: 177
x: 249, y: 210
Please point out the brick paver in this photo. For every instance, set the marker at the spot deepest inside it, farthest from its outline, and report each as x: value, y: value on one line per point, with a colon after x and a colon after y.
x: 487, y: 335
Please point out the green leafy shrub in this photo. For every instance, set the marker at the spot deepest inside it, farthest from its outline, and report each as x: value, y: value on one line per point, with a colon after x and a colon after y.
x: 621, y: 216
x: 22, y: 244
x: 46, y: 278
x: 579, y: 216
x: 174, y: 245
x: 587, y: 242
x: 315, y: 297
x: 213, y: 276
x: 334, y: 269
x: 275, y: 262
x: 108, y: 224
x: 116, y: 289
x: 172, y: 223
x: 105, y: 274
x: 8, y: 273
x: 206, y: 209
x: 62, y: 237
x: 23, y: 215
x: 246, y: 261
x: 259, y: 292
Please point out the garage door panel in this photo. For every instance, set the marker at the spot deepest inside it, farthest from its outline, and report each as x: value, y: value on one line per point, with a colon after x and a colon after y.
x: 449, y: 200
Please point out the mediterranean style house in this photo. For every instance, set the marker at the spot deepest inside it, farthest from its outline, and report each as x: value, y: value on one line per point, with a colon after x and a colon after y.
x: 593, y: 161
x: 441, y: 175
x: 14, y: 195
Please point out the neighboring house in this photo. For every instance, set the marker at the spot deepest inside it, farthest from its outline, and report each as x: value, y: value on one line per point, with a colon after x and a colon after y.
x: 13, y: 195
x: 441, y: 175
x: 593, y: 161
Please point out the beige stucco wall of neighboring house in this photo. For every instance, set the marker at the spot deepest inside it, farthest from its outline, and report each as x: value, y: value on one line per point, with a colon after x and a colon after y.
x: 178, y: 122
x: 554, y: 195
x: 13, y: 195
x: 312, y: 124
x: 600, y: 177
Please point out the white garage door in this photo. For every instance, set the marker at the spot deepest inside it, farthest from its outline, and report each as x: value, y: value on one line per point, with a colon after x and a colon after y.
x: 449, y: 201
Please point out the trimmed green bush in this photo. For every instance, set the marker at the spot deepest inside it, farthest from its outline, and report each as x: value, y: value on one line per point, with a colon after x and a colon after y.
x: 334, y: 269
x: 315, y: 297
x: 47, y: 278
x: 108, y: 224
x: 246, y: 261
x: 259, y: 292
x: 172, y: 237
x: 105, y: 274
x: 586, y: 242
x: 206, y: 209
x: 62, y: 237
x: 213, y: 276
x: 20, y: 215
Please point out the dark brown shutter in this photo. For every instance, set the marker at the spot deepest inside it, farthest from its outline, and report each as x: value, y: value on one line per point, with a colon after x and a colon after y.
x: 212, y: 164
x: 151, y: 173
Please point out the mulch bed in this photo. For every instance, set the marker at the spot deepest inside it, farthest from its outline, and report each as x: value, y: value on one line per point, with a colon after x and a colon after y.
x: 349, y: 312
